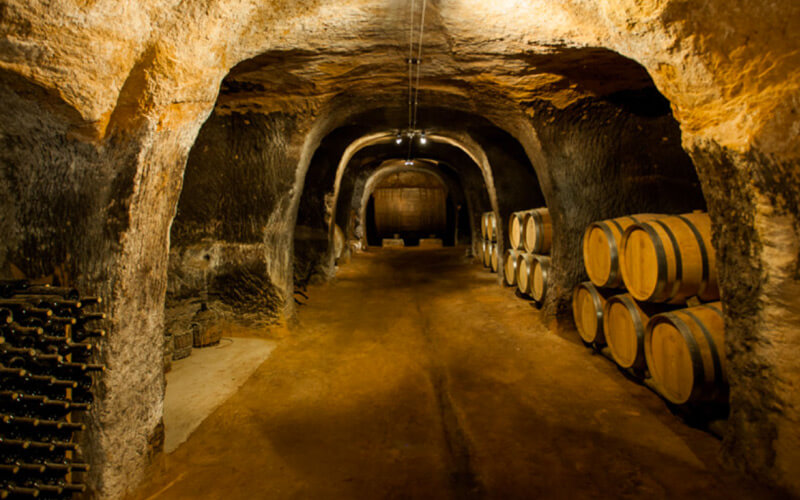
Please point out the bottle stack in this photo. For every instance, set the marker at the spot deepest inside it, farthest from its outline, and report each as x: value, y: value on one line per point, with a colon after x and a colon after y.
x: 47, y: 344
x: 527, y: 262
x: 489, y: 242
x: 652, y: 305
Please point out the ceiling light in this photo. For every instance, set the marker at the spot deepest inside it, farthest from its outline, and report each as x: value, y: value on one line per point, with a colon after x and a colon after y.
x: 422, y: 139
x: 398, y: 139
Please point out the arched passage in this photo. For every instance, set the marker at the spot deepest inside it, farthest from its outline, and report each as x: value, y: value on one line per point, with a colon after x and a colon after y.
x: 135, y: 85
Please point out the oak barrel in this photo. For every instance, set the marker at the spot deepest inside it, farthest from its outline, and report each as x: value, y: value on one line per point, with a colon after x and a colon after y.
x: 670, y: 259
x: 540, y: 277
x: 524, y: 267
x: 516, y: 229
x: 487, y: 253
x: 625, y: 322
x: 182, y: 344
x: 538, y: 233
x: 601, y: 248
x: 510, y: 264
x: 494, y: 260
x: 587, y: 311
x: 685, y: 353
x: 489, y: 226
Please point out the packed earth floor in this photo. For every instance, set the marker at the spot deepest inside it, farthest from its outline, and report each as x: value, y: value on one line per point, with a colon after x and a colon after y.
x: 415, y: 375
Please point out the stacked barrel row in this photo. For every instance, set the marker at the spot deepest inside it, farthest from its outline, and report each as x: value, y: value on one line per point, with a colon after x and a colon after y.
x: 652, y: 304
x: 527, y: 261
x: 488, y: 249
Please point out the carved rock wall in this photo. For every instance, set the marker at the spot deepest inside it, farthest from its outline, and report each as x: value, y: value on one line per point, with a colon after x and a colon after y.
x: 104, y: 99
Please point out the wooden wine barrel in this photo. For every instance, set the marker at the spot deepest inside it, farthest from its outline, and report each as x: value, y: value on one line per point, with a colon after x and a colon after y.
x: 625, y: 322
x: 494, y: 260
x: 538, y: 232
x: 182, y: 342
x: 487, y: 253
x: 540, y: 277
x: 516, y: 229
x: 685, y: 353
x: 524, y: 267
x: 601, y: 248
x: 670, y: 259
x: 510, y: 264
x: 489, y: 226
x: 587, y: 310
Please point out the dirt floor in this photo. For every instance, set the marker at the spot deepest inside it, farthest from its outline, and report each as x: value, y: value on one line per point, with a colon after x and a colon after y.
x: 415, y: 375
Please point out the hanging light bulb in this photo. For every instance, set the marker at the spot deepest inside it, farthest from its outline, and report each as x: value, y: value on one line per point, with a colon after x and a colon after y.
x: 398, y: 139
x: 423, y: 139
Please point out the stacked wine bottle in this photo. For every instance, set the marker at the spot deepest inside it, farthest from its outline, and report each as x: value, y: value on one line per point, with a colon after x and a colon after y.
x: 48, y: 340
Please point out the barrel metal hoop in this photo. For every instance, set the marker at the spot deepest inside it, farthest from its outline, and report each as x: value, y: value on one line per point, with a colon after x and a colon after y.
x: 510, y: 254
x: 714, y: 308
x: 638, y: 326
x: 694, y: 350
x: 703, y: 252
x: 545, y: 273
x: 678, y: 259
x: 528, y: 258
x: 711, y: 346
x: 637, y: 320
x: 661, y: 258
x: 537, y: 244
x: 511, y: 227
x: 598, y: 309
x: 617, y: 225
x: 613, y: 252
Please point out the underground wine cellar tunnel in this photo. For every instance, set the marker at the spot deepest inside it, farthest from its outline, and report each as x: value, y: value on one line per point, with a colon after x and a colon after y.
x: 399, y: 248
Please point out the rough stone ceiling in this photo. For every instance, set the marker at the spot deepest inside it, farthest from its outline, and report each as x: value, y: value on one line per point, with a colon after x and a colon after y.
x: 277, y: 82
x: 370, y: 63
x: 170, y: 52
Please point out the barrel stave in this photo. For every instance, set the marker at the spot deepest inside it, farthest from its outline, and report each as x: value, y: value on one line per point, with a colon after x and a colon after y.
x: 538, y: 232
x: 685, y: 354
x: 540, y: 277
x: 587, y: 311
x: 510, y: 264
x: 670, y: 259
x: 524, y: 268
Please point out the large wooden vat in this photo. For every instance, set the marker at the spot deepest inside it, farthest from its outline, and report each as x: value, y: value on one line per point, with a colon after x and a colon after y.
x: 670, y: 259
x: 685, y: 353
x: 538, y: 232
x: 587, y: 311
x: 410, y: 209
x: 510, y: 264
x: 601, y: 248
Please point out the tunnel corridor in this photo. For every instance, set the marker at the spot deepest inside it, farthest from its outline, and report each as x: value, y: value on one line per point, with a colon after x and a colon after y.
x: 395, y: 248
x: 414, y: 376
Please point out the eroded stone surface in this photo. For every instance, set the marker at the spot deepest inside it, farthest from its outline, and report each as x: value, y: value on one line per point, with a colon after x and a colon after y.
x: 103, y: 99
